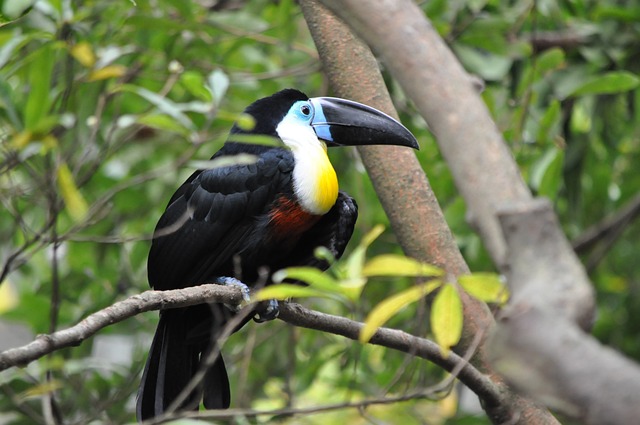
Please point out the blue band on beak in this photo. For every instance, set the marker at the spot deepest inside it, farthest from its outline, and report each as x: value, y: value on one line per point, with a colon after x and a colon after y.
x: 323, y: 131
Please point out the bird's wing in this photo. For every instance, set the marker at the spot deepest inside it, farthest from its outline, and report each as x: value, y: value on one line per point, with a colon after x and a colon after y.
x: 212, y: 218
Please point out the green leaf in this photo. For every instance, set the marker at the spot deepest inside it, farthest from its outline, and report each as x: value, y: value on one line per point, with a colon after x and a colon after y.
x: 13, y: 9
x: 73, y: 199
x: 486, y: 287
x: 255, y: 139
x: 552, y: 179
x: 549, y: 121
x: 284, y: 291
x: 488, y: 66
x: 163, y: 122
x: 399, y: 265
x: 446, y: 317
x: 224, y: 161
x: 39, y: 100
x: 163, y: 104
x: 546, y: 173
x: 609, y: 83
x: 550, y: 60
x: 9, y: 48
x: 194, y: 83
x: 386, y: 309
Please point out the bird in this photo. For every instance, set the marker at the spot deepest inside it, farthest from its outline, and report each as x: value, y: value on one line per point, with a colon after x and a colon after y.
x: 241, y: 220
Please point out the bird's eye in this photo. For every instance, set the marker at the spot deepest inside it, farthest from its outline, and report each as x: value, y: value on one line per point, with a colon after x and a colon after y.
x: 306, y: 110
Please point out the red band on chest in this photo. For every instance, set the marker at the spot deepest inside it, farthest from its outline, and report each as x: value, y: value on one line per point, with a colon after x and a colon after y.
x: 288, y: 217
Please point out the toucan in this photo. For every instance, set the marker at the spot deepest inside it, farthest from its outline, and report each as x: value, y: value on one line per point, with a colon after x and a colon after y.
x: 244, y: 220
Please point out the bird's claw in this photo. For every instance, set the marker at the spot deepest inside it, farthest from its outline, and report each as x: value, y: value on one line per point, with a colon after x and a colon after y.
x: 244, y: 289
x: 267, y: 310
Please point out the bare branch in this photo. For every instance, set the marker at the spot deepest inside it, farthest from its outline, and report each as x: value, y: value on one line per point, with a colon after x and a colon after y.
x: 291, y: 313
x: 600, y: 237
x: 147, y: 301
x: 564, y: 39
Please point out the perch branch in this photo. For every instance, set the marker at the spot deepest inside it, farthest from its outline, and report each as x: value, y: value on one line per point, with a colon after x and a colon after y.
x: 291, y: 313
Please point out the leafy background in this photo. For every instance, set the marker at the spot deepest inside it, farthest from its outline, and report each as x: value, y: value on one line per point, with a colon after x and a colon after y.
x: 104, y: 106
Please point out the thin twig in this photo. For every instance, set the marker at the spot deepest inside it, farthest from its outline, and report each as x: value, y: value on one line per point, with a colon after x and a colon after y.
x: 601, y: 236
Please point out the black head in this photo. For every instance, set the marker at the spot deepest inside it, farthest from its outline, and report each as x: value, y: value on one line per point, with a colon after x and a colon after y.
x: 337, y: 122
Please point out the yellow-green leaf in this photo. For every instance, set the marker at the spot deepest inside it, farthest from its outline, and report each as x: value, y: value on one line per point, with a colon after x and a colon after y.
x: 82, y: 53
x: 446, y: 317
x: 109, y: 71
x: 285, y: 290
x: 354, y: 264
x: 8, y: 296
x: 246, y: 122
x: 398, y: 265
x: 486, y: 287
x: 22, y: 139
x: 382, y: 312
x: 310, y: 276
x: 40, y: 389
x: 73, y: 199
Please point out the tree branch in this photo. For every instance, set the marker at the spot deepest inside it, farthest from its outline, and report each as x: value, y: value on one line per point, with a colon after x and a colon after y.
x: 291, y: 313
x: 147, y: 301
x: 538, y: 343
x: 564, y: 39
x: 405, y: 193
x: 600, y: 237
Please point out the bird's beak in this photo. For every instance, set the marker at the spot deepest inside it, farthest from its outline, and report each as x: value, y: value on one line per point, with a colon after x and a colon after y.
x: 341, y: 122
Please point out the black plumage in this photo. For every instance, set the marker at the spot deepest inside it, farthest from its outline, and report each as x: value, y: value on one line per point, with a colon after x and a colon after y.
x: 219, y: 223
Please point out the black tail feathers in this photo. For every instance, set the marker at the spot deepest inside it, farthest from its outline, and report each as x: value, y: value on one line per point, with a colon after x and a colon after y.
x: 174, y: 359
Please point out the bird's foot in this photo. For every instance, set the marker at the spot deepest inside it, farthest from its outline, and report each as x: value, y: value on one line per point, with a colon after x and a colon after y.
x: 244, y: 289
x: 266, y: 310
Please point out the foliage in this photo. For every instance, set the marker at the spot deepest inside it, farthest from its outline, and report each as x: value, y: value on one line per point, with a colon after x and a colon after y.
x: 105, y: 106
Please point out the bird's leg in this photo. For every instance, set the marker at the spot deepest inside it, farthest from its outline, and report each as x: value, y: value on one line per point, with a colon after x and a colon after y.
x: 265, y: 311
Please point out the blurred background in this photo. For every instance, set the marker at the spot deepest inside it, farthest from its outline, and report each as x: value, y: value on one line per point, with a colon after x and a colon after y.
x: 106, y: 106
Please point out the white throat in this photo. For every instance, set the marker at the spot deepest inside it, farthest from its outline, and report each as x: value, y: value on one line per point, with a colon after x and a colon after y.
x: 315, y: 183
